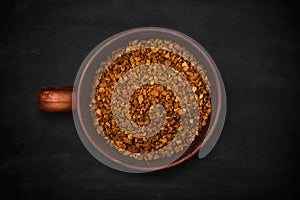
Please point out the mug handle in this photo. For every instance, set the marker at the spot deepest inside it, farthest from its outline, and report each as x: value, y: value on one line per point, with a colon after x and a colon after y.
x: 55, y: 99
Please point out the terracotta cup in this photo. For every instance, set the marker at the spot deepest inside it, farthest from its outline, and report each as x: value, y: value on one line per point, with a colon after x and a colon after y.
x: 77, y: 99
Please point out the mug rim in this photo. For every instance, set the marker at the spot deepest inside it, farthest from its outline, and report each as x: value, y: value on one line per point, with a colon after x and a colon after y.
x: 215, y: 123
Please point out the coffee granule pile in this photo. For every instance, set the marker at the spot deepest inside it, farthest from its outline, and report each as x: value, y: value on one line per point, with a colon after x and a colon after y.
x: 149, y: 53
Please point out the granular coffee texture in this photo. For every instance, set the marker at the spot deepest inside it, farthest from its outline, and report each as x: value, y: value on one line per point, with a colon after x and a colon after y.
x: 146, y: 145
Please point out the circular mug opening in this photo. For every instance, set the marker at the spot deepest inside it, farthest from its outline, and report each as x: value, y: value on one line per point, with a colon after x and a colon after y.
x: 99, y: 147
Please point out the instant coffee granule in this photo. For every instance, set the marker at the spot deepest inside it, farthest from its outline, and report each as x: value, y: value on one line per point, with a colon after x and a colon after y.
x: 147, y: 146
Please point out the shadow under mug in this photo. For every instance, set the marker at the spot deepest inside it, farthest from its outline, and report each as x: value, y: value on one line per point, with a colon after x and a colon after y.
x: 77, y: 99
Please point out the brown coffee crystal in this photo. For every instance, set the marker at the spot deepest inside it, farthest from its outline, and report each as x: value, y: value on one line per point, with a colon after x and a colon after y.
x: 149, y: 53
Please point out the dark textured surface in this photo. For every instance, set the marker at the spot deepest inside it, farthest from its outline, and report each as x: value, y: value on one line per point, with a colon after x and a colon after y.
x: 255, y: 47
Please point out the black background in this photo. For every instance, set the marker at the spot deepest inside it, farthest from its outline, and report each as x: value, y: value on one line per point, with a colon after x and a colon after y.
x: 254, y: 44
